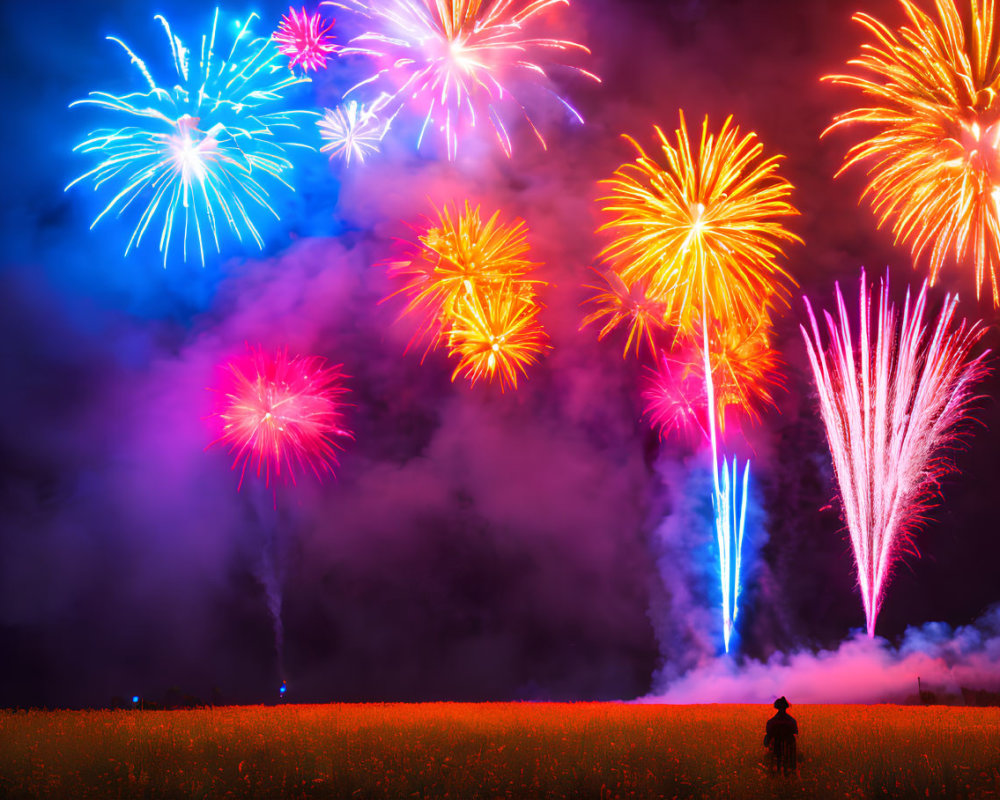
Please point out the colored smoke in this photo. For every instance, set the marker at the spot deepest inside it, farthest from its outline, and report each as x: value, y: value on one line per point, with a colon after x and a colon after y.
x: 860, y: 670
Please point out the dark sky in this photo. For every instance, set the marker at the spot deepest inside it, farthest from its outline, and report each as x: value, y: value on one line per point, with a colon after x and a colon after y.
x: 475, y: 545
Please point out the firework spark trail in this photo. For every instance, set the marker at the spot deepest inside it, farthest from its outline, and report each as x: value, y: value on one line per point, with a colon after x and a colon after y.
x: 729, y: 525
x: 890, y: 405
x: 193, y: 153
x: 469, y: 281
x: 458, y: 58
x: 934, y: 157
x: 731, y: 506
x: 700, y: 237
x: 279, y: 413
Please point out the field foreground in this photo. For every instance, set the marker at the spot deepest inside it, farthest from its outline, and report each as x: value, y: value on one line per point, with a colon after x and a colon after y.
x: 459, y: 750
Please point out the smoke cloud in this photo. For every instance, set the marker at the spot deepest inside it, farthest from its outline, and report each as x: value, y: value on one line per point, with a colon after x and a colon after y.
x: 860, y: 670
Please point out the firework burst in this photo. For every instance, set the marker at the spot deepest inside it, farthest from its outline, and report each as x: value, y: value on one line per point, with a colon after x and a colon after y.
x: 304, y: 39
x: 496, y: 337
x: 704, y: 230
x: 932, y: 93
x: 189, y: 159
x: 458, y: 255
x: 674, y: 397
x: 280, y: 414
x: 351, y: 130
x: 618, y: 304
x: 456, y: 61
x: 890, y: 403
x: 469, y: 281
x: 744, y: 371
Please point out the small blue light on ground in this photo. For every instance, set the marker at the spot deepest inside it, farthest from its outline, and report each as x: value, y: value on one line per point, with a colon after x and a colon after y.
x: 283, y: 688
x: 135, y: 698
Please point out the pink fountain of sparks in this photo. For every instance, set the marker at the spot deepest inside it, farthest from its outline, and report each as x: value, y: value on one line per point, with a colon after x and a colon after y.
x: 280, y: 414
x: 304, y: 38
x: 890, y: 405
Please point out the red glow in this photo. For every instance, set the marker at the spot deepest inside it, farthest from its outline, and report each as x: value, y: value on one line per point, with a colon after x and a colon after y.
x: 303, y: 37
x: 281, y: 413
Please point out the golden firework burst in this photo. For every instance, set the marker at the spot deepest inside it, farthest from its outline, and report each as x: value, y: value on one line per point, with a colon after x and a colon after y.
x: 704, y: 230
x: 470, y: 280
x: 496, y: 336
x: 933, y: 160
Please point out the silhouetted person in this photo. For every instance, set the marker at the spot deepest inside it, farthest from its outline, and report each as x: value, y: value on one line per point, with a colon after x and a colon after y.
x: 780, y: 736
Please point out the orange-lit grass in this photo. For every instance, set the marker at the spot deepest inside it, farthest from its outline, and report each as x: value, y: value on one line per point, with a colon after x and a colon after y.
x: 496, y: 750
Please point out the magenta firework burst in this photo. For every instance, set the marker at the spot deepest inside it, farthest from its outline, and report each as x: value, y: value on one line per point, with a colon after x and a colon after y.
x: 891, y: 401
x: 281, y: 413
x: 305, y: 39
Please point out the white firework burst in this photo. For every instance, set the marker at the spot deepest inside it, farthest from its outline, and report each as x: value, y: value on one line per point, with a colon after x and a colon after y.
x: 351, y: 129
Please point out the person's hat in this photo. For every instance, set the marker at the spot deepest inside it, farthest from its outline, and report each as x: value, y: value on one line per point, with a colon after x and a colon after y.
x: 781, y: 703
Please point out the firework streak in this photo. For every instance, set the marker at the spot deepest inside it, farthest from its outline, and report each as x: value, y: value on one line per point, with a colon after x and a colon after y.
x: 889, y: 407
x: 193, y: 153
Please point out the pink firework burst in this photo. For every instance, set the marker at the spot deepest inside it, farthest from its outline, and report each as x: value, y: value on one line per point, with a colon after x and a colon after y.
x: 280, y: 413
x: 674, y: 398
x: 303, y: 37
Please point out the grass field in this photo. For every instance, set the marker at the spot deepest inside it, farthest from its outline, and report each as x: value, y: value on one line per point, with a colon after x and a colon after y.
x: 456, y: 750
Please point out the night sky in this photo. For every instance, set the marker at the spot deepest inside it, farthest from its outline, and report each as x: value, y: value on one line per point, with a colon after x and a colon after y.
x: 476, y: 545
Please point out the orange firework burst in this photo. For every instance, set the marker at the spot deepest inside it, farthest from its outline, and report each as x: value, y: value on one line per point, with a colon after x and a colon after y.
x: 704, y: 231
x: 496, y: 336
x: 934, y: 159
x: 470, y: 281
x: 619, y: 304
x: 462, y: 255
